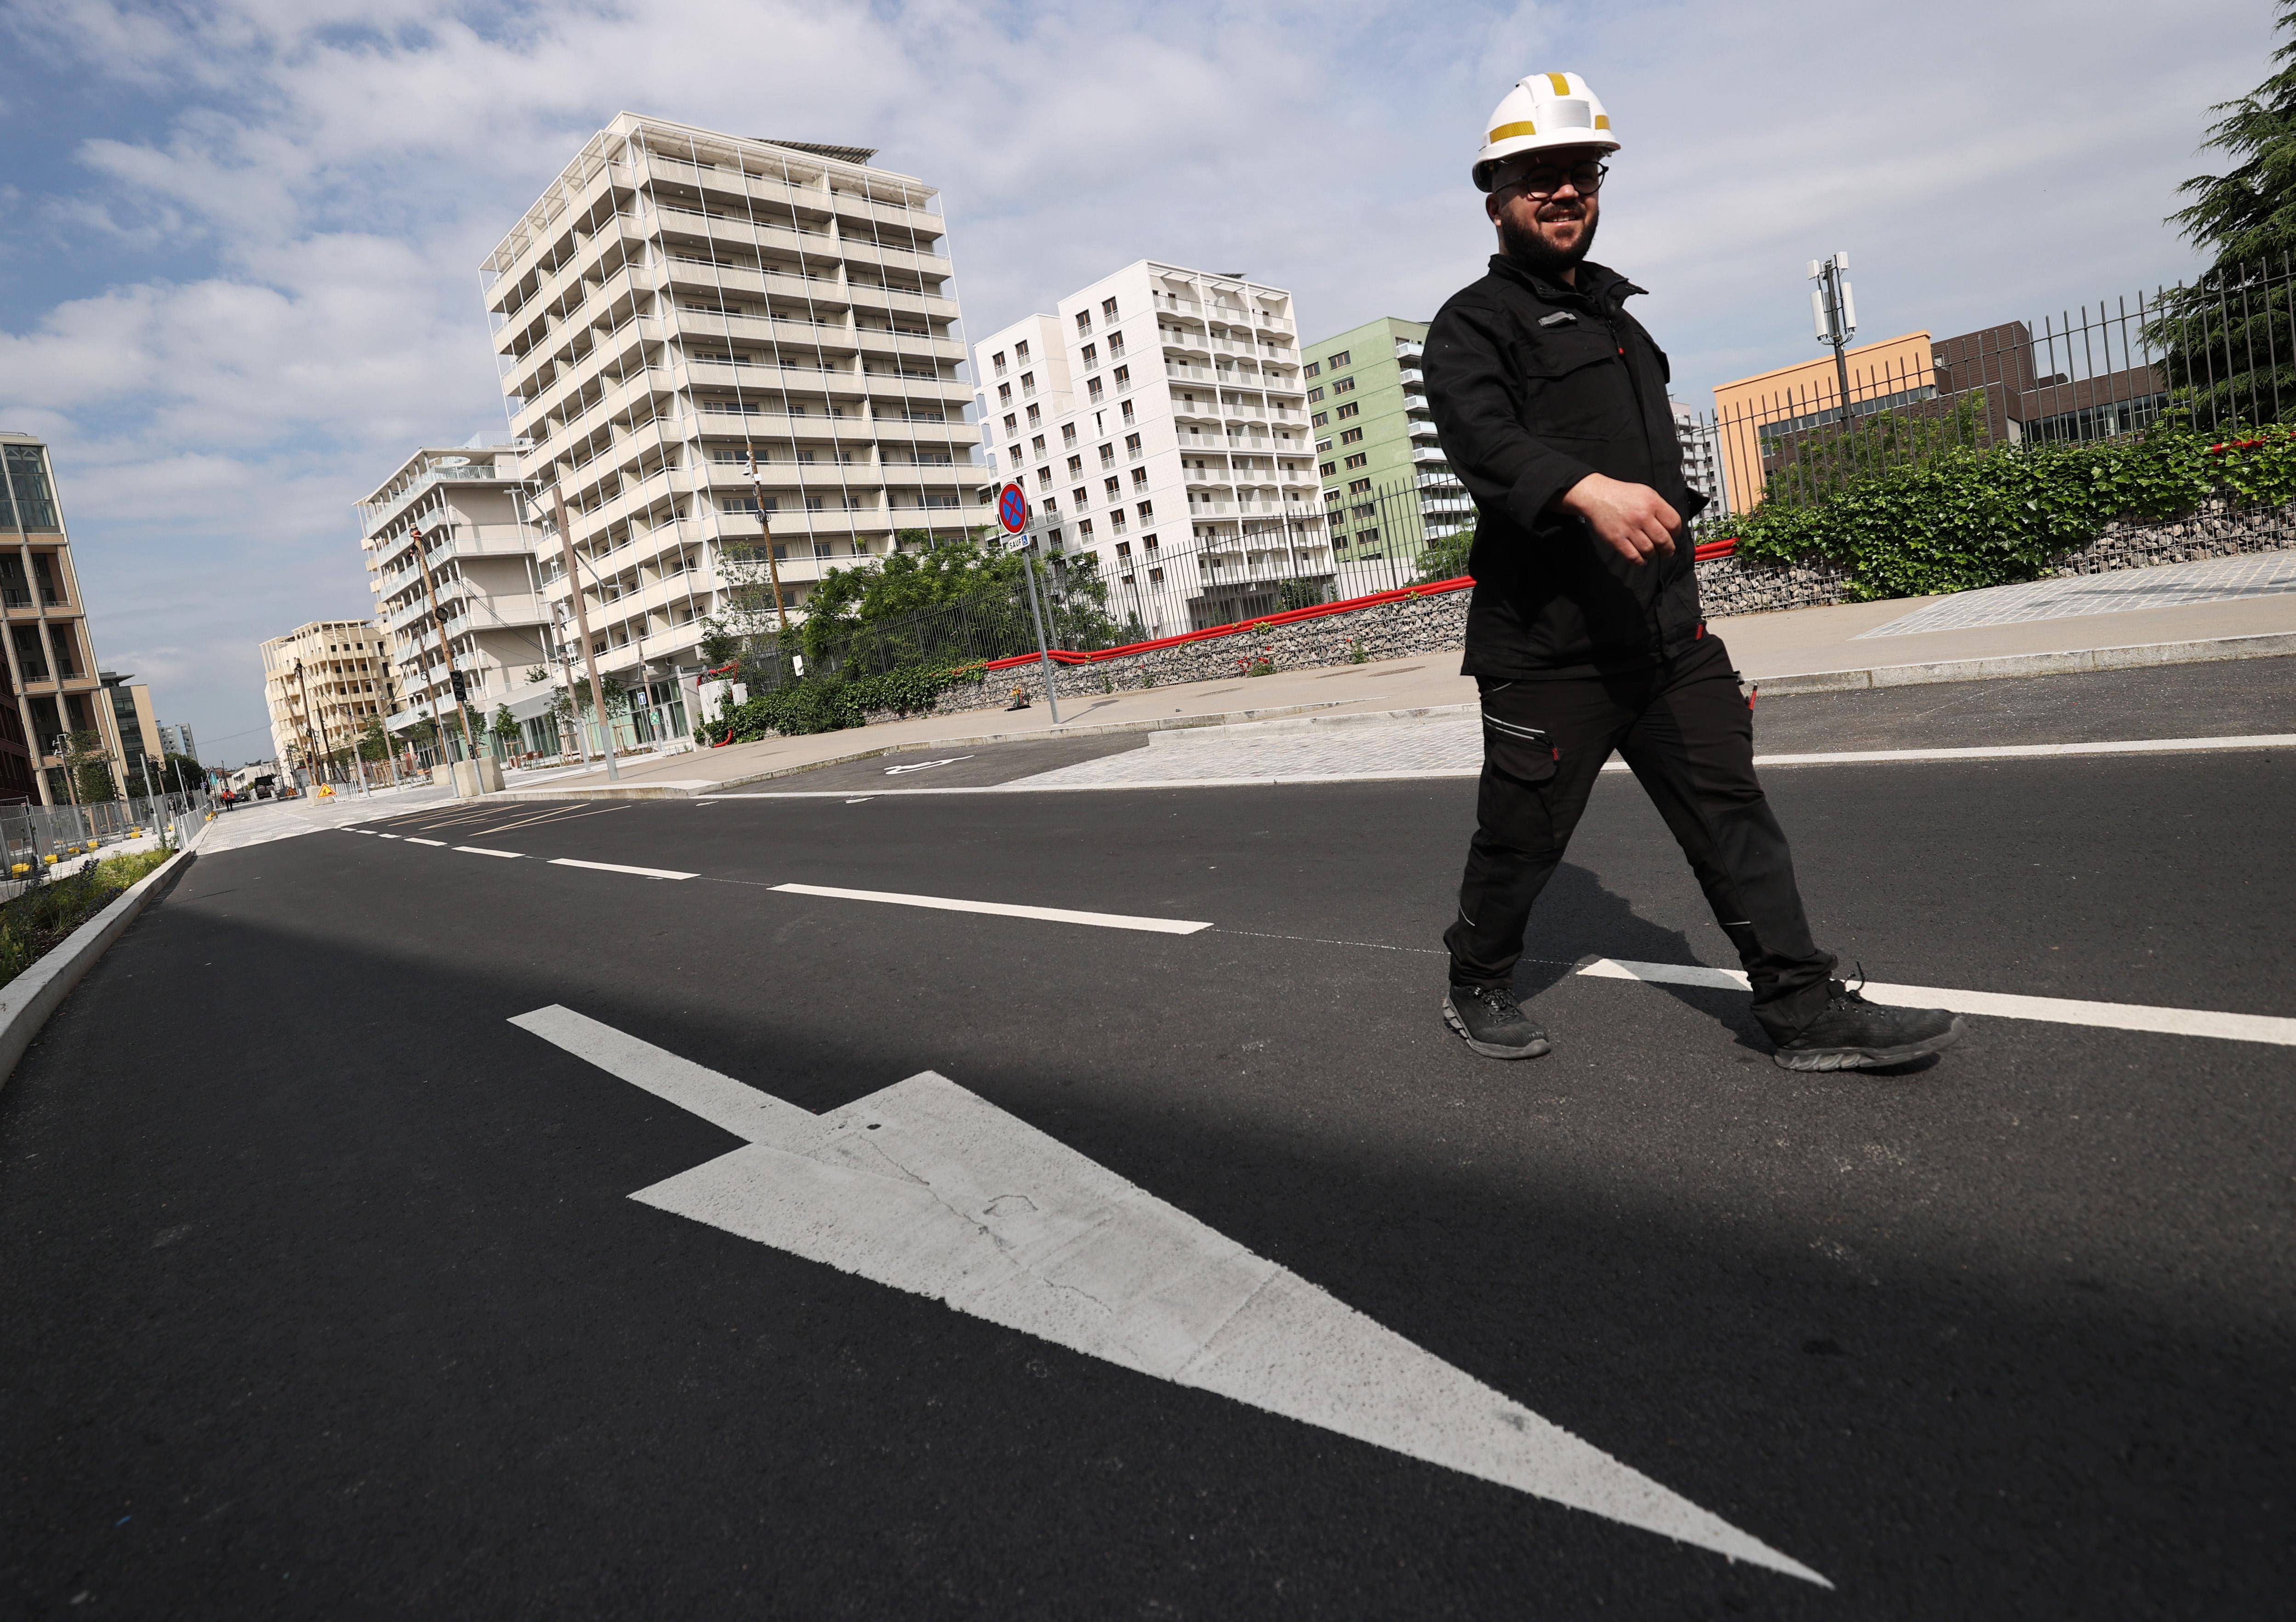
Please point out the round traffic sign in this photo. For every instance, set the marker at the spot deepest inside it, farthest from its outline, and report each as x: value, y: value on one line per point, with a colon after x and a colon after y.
x: 1013, y: 509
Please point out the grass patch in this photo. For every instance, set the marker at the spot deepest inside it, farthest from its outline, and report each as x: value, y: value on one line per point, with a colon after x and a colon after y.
x: 38, y: 921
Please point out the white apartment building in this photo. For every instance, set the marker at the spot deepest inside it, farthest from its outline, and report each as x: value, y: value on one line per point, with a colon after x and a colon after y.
x: 679, y: 302
x: 1159, y: 422
x: 470, y: 600
x: 1702, y: 454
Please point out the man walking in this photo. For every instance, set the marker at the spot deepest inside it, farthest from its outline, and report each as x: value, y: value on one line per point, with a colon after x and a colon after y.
x: 1583, y: 633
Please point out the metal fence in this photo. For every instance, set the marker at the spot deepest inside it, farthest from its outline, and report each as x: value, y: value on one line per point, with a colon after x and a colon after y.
x: 2217, y: 355
x: 43, y: 841
x: 1140, y: 588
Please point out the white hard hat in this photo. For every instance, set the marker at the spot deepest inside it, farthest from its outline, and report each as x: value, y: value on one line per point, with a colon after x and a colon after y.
x: 1543, y: 109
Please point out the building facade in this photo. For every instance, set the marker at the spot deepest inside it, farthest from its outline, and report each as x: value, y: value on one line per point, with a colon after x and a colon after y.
x: 322, y: 682
x: 681, y: 306
x: 54, y: 687
x: 1380, y: 466
x: 468, y: 599
x: 177, y: 740
x: 1158, y: 420
x: 138, y: 728
x: 1702, y: 454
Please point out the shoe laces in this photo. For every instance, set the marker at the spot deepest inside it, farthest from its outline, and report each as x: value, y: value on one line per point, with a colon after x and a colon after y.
x: 1500, y: 1000
x: 1846, y: 995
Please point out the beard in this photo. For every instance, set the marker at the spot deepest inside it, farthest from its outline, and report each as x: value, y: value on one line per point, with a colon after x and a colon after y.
x: 1534, y: 252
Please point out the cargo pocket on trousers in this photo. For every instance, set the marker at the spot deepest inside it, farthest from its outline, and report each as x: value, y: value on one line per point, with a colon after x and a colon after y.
x: 1520, y: 751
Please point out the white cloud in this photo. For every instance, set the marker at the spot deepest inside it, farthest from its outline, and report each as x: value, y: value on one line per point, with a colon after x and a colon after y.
x: 326, y: 177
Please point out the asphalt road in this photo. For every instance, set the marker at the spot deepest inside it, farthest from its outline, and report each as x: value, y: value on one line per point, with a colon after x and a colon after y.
x: 327, y: 1295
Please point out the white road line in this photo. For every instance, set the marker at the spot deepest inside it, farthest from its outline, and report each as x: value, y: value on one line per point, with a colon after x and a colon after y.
x: 2054, y: 1010
x: 927, y: 1188
x: 386, y: 836
x: 479, y: 850
x: 1056, y: 915
x: 616, y: 867
x: 2033, y: 751
x: 439, y: 843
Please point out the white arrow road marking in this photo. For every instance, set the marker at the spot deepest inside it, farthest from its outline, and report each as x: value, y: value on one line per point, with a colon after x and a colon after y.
x: 616, y: 867
x: 930, y: 1189
x: 2055, y: 1010
x: 895, y: 771
x: 1057, y: 915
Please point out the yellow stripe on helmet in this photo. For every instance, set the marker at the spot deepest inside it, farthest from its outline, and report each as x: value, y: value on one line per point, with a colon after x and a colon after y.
x: 1508, y: 132
x: 1601, y: 121
x: 1561, y: 82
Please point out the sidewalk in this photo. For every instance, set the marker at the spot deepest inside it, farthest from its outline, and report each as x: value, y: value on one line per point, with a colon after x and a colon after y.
x: 2222, y: 608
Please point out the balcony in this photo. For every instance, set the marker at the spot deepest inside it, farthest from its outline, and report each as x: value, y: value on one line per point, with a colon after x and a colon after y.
x: 1427, y: 453
x: 1413, y: 378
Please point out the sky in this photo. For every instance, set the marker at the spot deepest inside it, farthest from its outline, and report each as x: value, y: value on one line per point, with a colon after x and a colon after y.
x: 239, y: 269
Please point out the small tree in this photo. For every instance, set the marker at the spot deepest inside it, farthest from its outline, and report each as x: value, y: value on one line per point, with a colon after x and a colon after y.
x: 373, y: 742
x: 90, y: 768
x: 505, y: 729
x: 1445, y: 557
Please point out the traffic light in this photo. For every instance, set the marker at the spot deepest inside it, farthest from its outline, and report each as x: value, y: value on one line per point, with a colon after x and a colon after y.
x: 461, y: 692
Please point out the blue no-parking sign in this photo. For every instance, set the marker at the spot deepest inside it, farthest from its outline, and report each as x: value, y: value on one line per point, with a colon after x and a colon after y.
x: 1013, y: 509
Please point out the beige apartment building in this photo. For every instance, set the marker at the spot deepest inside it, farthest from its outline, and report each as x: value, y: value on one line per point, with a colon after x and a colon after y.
x: 467, y: 599
x: 680, y: 302
x: 53, y: 685
x: 322, y: 681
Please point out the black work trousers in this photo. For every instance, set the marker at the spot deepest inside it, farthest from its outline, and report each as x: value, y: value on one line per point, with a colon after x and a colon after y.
x: 1687, y: 734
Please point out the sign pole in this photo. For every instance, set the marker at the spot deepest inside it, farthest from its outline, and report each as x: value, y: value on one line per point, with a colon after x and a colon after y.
x: 1013, y: 514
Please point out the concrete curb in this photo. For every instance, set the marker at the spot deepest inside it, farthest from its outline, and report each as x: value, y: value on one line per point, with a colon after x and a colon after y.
x: 2072, y: 662
x: 28, y: 1001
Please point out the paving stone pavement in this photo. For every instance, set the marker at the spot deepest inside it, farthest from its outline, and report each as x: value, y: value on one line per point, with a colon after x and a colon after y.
x: 1444, y: 744
x: 2211, y: 580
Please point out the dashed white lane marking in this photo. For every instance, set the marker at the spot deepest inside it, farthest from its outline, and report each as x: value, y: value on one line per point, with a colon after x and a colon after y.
x: 1056, y: 915
x: 2054, y: 1010
x: 386, y: 836
x: 439, y: 843
x: 479, y: 850
x: 616, y: 867
x: 930, y: 1188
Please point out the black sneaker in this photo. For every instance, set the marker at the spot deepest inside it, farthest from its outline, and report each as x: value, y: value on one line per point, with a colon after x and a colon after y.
x: 1493, y: 1022
x: 1855, y: 1035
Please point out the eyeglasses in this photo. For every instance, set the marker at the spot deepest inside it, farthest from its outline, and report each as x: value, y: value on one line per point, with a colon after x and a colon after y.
x: 1544, y: 182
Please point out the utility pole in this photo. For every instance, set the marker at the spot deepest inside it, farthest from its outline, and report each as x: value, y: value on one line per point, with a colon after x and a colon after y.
x: 765, y: 532
x: 1835, y: 316
x: 439, y: 620
x: 582, y: 625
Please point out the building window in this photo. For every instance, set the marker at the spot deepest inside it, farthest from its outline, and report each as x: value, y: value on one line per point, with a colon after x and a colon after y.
x: 1344, y: 385
x: 1068, y: 435
x: 1021, y: 351
x: 1350, y: 409
x: 1124, y: 548
x: 1011, y: 424
x: 1155, y: 577
x: 1314, y: 368
x: 1091, y: 355
x: 1314, y: 395
x: 1139, y: 478
x: 1338, y: 360
x: 1108, y: 309
x: 1116, y: 520
x: 1084, y: 531
x: 1037, y: 445
x: 1357, y: 460
x: 1014, y: 456
x: 1147, y: 511
x: 1083, y: 321
x: 1044, y: 478
x: 1115, y: 345
x: 1319, y: 419
x: 1080, y: 496
x: 1364, y: 538
x: 1123, y: 377
x: 1353, y: 436
x: 999, y: 359
x: 1363, y: 510
x: 1355, y: 487
x: 1108, y: 455
x: 1115, y: 489
x: 1327, y: 468
x: 1075, y: 467
x: 1028, y: 383
x: 1322, y: 446
x: 1127, y: 410
x: 1131, y: 444
x: 1092, y: 388
x: 1004, y: 394
x: 1036, y: 417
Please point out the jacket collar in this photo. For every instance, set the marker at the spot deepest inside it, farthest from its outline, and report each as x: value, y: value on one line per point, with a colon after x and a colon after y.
x: 1598, y: 284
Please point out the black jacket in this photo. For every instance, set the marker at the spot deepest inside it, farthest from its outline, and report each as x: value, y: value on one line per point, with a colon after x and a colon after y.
x: 1535, y: 385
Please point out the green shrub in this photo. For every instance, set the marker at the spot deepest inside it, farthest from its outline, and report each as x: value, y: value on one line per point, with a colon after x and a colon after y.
x: 1972, y: 518
x: 36, y: 922
x: 832, y: 704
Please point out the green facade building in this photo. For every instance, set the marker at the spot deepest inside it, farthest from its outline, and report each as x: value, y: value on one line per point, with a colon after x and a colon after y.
x: 1386, y: 489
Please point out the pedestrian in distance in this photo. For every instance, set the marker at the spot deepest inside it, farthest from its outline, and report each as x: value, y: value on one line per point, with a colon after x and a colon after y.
x: 1583, y: 633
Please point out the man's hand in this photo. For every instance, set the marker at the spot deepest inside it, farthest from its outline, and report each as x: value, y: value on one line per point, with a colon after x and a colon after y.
x: 1633, y: 520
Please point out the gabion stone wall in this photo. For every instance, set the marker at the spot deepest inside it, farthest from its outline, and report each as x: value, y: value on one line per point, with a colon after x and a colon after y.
x: 1437, y: 622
